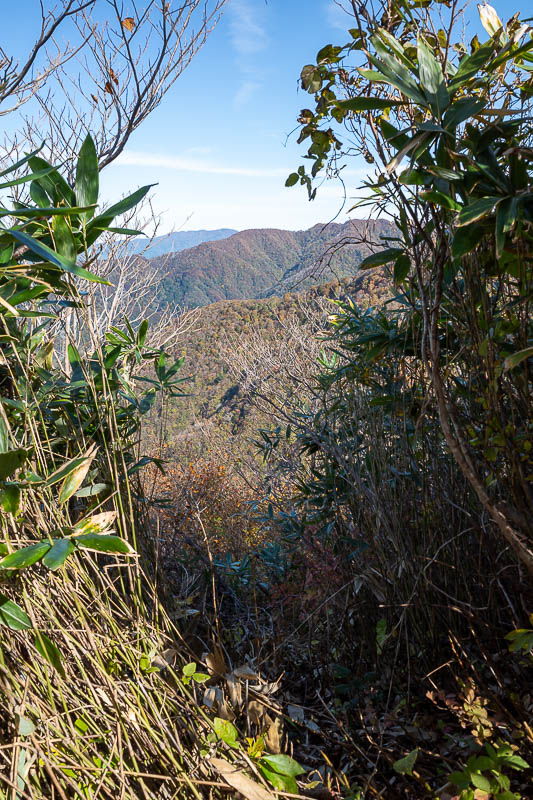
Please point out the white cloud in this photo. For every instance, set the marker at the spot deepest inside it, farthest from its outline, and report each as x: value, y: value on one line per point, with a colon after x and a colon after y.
x: 245, y: 92
x: 135, y: 158
x: 337, y: 16
x: 247, y: 34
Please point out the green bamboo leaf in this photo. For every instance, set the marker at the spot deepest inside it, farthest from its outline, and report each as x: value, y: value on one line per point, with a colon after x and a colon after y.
x: 41, y: 212
x: 402, y: 266
x: 64, y: 240
x: 379, y: 259
x: 103, y: 543
x: 58, y: 553
x: 461, y: 110
x: 466, y: 239
x: 75, y: 478
x: 54, y: 184
x: 103, y: 220
x: 21, y: 162
x: 49, y: 651
x: 470, y: 65
x: 367, y: 104
x: 441, y: 199
x: 432, y: 78
x: 516, y: 358
x: 26, y: 178
x: 4, y: 434
x: 12, y: 615
x: 87, y: 180
x: 477, y: 210
x: 26, y: 556
x: 45, y: 252
x: 66, y: 469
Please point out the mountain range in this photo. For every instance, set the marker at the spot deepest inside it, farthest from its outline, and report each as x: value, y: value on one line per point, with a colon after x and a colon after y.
x: 176, y: 241
x: 260, y: 263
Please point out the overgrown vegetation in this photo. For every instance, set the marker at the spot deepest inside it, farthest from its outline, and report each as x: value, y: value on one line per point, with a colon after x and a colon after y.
x: 328, y: 592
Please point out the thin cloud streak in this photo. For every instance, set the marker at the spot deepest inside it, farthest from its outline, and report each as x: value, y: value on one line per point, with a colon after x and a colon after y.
x: 134, y: 158
x: 244, y: 93
x: 247, y: 35
x: 337, y: 16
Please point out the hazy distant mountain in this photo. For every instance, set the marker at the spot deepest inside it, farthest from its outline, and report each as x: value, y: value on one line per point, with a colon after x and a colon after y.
x: 177, y: 241
x: 263, y: 262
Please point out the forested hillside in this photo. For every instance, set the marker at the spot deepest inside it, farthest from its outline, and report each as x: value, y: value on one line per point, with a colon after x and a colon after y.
x: 278, y: 544
x: 259, y: 263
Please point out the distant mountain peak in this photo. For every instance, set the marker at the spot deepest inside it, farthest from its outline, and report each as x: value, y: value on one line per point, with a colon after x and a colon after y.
x: 261, y: 262
x: 176, y: 241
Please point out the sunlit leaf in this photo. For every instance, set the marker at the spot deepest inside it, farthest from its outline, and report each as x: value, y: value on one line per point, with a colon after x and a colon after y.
x: 12, y: 615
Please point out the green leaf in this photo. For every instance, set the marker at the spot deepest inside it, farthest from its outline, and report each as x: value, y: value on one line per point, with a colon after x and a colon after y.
x: 87, y: 177
x: 25, y: 726
x: 441, y: 199
x: 11, y: 461
x: 201, y: 677
x: 432, y: 78
x: 54, y: 184
x: 189, y: 669
x: 480, y: 782
x: 101, y: 222
x: 75, y: 478
x: 10, y: 499
x: 516, y: 358
x: 26, y: 178
x: 292, y: 179
x: 381, y: 635
x: 516, y: 762
x: 26, y: 556
x: 402, y: 266
x: 58, y: 553
x: 465, y: 239
x: 64, y: 240
x: 40, y: 213
x: 283, y: 764
x: 49, y: 651
x: 367, y: 104
x: 4, y: 434
x: 283, y: 783
x: 379, y: 259
x: 103, y: 543
x: 396, y: 73
x: 45, y: 252
x: 12, y: 615
x: 461, y: 110
x: 477, y: 210
x: 404, y: 766
x: 226, y: 731
x: 470, y: 65
x: 89, y: 491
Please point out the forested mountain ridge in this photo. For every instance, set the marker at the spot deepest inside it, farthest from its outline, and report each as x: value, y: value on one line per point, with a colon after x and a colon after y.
x: 176, y: 241
x: 263, y: 262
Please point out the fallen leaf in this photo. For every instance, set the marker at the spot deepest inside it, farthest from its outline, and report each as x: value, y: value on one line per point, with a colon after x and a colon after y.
x: 239, y: 781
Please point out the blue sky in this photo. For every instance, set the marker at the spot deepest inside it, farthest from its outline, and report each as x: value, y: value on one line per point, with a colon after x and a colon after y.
x: 217, y: 146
